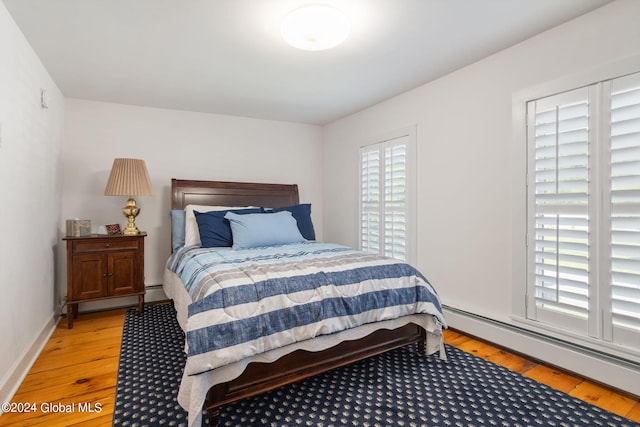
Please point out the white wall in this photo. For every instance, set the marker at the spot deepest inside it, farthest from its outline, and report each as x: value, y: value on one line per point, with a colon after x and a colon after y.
x: 465, y: 168
x: 177, y: 144
x: 30, y: 173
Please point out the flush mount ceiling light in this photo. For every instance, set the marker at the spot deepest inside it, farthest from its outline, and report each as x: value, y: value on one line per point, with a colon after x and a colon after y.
x: 315, y: 27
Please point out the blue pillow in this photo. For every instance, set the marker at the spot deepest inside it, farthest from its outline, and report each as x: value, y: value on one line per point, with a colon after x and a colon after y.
x: 302, y: 214
x: 215, y: 230
x: 263, y: 229
x: 177, y: 228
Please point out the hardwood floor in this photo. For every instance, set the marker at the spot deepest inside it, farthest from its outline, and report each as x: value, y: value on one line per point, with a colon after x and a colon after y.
x: 79, y: 366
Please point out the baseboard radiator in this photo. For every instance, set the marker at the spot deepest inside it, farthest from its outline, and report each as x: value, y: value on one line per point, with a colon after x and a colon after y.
x: 593, y: 364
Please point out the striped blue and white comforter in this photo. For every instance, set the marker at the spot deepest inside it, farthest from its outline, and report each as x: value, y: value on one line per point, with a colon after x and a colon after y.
x: 246, y: 302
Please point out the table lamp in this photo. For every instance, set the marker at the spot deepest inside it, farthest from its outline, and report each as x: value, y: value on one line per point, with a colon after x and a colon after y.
x: 129, y: 177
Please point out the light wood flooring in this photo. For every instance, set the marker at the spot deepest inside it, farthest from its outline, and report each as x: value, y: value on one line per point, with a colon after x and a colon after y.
x: 80, y: 365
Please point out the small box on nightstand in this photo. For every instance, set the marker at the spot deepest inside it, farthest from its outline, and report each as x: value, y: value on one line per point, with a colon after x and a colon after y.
x: 78, y: 227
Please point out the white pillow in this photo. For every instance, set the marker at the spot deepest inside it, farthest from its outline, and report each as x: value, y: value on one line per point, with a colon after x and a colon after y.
x: 191, y: 232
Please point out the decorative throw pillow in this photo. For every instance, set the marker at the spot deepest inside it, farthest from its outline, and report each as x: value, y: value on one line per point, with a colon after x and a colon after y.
x: 302, y: 214
x: 215, y: 230
x: 191, y: 232
x: 177, y: 228
x: 263, y: 229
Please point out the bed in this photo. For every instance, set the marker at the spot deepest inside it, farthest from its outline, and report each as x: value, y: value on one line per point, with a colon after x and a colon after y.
x: 211, y: 385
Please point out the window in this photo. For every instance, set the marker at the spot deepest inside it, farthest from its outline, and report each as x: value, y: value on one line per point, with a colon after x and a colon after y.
x: 386, y: 198
x: 583, y: 183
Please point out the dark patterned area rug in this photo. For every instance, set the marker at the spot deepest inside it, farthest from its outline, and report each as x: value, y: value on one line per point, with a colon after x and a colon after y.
x: 399, y: 388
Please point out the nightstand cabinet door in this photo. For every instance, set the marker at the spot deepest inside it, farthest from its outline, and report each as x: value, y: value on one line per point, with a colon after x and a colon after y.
x: 124, y: 273
x: 89, y: 277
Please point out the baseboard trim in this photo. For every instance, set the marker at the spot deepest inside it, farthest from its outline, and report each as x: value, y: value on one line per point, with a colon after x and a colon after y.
x: 23, y: 365
x: 602, y: 368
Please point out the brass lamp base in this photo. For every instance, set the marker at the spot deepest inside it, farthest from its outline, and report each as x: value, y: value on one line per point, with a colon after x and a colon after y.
x: 131, y: 211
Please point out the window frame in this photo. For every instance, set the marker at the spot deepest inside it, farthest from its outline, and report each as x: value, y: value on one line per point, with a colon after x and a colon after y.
x: 411, y: 202
x: 519, y: 262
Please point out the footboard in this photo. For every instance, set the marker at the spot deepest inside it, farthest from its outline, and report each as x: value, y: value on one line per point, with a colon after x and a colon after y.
x: 262, y: 377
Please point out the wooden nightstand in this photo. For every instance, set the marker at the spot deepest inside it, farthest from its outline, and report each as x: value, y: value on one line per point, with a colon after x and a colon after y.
x: 101, y: 267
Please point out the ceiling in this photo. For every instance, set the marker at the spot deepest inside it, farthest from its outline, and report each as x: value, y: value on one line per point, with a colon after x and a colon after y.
x: 227, y: 56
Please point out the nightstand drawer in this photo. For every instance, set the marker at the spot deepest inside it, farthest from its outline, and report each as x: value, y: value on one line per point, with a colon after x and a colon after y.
x: 105, y: 245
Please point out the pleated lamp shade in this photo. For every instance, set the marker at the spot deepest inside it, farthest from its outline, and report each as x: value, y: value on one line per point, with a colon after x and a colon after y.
x: 129, y: 177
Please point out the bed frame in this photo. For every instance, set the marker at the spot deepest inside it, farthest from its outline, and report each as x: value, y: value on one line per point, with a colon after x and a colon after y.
x: 262, y: 377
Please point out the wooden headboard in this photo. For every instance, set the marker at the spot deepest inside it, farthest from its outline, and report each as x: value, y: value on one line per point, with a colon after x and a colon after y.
x: 220, y: 193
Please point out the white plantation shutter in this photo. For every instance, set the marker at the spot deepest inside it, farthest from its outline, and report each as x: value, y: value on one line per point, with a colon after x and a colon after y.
x: 395, y: 201
x: 370, y: 200
x: 584, y: 211
x: 383, y: 198
x: 625, y: 205
x: 559, y: 129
